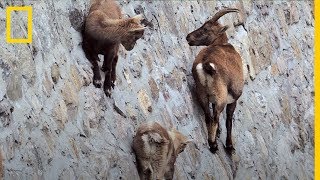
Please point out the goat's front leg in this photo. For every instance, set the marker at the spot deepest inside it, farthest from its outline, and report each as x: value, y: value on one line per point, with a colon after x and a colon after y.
x: 93, y: 58
x: 114, y: 67
x: 144, y: 170
x: 96, y: 74
x: 230, y: 110
x: 107, y: 67
x: 169, y: 171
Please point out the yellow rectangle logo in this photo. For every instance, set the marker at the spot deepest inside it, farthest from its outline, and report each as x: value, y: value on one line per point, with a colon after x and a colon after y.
x: 8, y: 24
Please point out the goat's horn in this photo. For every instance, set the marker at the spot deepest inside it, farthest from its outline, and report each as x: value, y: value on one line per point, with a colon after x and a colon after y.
x: 223, y: 12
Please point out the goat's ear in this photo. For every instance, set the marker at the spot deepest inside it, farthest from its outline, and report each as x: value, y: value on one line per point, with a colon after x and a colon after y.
x: 138, y: 29
x: 174, y: 129
x: 137, y: 19
x: 189, y: 141
x: 223, y: 29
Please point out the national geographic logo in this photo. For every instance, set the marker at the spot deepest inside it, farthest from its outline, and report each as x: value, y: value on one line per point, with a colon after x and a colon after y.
x: 9, y: 11
x: 16, y: 6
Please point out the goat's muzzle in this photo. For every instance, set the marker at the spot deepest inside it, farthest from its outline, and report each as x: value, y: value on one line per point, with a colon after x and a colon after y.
x: 190, y: 42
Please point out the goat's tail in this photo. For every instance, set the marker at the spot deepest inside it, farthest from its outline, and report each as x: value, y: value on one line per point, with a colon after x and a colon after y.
x: 209, y: 68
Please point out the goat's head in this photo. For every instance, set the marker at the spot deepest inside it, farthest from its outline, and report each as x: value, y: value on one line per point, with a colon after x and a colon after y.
x: 134, y: 32
x: 210, y: 31
x: 180, y: 141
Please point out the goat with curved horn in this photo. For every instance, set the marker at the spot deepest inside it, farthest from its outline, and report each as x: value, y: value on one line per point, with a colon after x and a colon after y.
x: 217, y: 71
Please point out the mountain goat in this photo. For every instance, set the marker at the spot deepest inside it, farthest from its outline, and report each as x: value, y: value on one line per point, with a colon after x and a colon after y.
x: 156, y: 150
x: 104, y: 31
x: 217, y: 71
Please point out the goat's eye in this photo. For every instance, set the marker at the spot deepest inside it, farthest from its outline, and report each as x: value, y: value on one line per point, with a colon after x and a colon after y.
x: 206, y: 28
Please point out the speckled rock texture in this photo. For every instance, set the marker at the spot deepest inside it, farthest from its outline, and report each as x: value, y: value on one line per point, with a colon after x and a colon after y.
x: 54, y: 124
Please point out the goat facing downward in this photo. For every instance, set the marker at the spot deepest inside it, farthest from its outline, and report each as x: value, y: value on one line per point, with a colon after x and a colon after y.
x: 156, y: 150
x: 104, y: 31
x: 217, y: 71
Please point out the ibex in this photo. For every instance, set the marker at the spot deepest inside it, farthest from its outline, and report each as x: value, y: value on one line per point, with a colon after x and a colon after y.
x: 104, y: 31
x: 156, y: 150
x: 217, y: 71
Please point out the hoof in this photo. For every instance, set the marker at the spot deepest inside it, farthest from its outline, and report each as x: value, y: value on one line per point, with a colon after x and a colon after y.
x: 97, y: 83
x: 107, y: 87
x: 107, y: 92
x: 112, y: 84
x: 113, y: 79
x: 218, y: 132
x: 230, y: 149
x: 213, y: 147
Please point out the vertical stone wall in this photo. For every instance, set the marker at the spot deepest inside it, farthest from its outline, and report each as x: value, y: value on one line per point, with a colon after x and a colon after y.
x: 54, y: 124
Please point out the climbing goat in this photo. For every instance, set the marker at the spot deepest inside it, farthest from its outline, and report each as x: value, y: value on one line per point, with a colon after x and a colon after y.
x: 156, y: 150
x: 217, y: 71
x: 104, y: 31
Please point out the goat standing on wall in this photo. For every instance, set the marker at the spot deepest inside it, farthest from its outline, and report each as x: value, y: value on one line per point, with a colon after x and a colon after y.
x: 156, y: 150
x: 217, y: 71
x: 104, y: 31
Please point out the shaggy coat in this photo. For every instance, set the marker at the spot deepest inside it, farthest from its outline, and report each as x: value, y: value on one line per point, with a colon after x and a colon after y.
x: 104, y: 31
x: 156, y: 150
x: 218, y: 74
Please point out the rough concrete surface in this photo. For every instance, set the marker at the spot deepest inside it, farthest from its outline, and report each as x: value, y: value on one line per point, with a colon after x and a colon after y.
x: 54, y: 124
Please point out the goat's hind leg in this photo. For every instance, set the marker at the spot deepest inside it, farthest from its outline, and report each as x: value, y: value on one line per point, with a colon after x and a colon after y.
x: 213, y: 128
x: 230, y: 110
x: 204, y: 103
x: 219, y: 128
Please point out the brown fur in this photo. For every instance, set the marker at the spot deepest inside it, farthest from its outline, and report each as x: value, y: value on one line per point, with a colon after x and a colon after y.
x: 217, y: 71
x: 104, y: 31
x: 156, y: 150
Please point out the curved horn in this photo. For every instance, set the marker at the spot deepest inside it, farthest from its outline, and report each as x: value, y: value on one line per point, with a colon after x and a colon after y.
x: 223, y: 12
